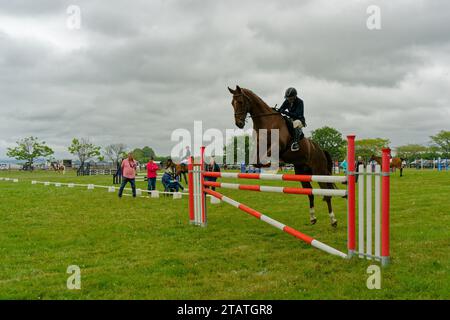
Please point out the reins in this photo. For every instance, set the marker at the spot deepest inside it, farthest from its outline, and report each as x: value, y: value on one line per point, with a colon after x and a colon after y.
x: 247, y: 110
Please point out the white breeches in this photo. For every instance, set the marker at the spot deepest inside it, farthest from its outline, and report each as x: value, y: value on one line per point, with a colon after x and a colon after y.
x: 297, y: 124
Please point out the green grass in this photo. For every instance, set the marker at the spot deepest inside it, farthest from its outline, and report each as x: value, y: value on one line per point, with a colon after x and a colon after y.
x: 145, y: 248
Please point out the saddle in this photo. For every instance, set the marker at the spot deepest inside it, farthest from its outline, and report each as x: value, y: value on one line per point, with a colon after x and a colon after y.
x: 289, y: 125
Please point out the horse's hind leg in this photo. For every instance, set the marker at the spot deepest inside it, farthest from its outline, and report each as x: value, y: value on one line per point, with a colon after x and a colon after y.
x: 312, y: 217
x: 325, y: 185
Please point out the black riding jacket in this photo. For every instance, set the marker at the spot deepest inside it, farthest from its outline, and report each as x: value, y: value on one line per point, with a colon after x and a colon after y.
x: 296, y: 111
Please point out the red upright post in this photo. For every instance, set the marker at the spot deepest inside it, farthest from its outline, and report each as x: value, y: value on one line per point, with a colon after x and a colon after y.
x: 202, y: 180
x: 351, y: 244
x: 191, y: 189
x: 385, y: 204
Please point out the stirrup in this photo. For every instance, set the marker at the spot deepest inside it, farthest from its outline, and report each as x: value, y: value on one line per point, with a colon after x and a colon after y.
x: 295, y: 147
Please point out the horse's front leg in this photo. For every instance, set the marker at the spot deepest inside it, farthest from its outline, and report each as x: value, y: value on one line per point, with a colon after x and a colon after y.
x: 312, y: 217
x: 327, y: 199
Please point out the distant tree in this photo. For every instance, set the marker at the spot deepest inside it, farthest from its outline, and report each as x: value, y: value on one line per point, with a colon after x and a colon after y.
x: 115, y: 152
x: 432, y: 152
x: 29, y: 149
x: 139, y: 155
x: 442, y: 140
x: 368, y: 147
x: 235, y: 147
x: 148, y: 153
x: 84, y: 149
x: 330, y: 140
x: 411, y: 151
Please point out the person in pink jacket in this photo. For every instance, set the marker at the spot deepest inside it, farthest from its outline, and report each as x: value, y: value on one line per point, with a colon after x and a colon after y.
x: 129, y: 166
x: 152, y: 167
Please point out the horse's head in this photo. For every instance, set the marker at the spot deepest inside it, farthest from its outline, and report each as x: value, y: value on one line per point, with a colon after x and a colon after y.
x: 240, y: 105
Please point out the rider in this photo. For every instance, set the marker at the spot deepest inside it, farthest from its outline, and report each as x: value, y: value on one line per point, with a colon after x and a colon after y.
x: 187, y: 155
x: 293, y: 108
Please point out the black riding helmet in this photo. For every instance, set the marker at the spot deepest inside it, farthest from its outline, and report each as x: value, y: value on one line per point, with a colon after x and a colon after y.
x: 290, y: 92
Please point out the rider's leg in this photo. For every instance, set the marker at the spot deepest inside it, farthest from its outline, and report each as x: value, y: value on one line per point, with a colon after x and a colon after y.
x: 298, y: 134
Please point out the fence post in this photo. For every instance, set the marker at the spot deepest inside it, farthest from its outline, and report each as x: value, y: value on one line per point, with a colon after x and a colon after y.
x: 351, y: 244
x: 385, y: 203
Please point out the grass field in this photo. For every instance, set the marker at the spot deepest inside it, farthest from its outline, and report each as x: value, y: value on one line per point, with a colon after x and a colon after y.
x: 145, y: 248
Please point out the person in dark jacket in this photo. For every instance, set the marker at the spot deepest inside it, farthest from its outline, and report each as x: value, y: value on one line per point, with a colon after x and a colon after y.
x: 293, y: 108
x: 212, y: 167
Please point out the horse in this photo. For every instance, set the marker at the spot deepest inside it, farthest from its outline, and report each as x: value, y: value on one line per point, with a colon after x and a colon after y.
x: 310, y: 159
x: 58, y: 167
x: 396, y: 163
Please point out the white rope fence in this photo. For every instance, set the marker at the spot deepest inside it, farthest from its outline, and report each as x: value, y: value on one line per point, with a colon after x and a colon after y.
x: 139, y: 192
x: 9, y: 179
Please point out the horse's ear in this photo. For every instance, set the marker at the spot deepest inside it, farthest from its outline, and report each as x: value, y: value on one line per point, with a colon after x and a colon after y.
x: 231, y: 90
x: 238, y: 89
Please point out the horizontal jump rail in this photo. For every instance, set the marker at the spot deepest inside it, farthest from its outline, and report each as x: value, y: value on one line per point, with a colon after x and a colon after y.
x: 274, y: 223
x: 305, y: 191
x: 277, y: 177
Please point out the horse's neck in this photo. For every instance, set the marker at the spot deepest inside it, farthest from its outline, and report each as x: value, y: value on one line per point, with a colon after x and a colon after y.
x: 259, y: 111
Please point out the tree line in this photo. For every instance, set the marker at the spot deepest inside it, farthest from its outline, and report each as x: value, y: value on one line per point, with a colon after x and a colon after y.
x: 30, y: 149
x: 333, y: 141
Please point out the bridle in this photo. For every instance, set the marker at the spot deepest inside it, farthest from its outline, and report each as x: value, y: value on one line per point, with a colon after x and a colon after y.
x: 247, y: 109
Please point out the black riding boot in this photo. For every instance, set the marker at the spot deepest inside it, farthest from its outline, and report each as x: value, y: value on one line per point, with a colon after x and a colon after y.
x: 298, y: 134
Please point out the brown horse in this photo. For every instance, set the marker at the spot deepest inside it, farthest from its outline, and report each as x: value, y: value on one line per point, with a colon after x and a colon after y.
x: 181, y: 170
x: 396, y: 163
x: 310, y: 159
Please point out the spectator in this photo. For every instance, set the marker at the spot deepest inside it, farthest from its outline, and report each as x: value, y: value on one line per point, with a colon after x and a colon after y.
x: 128, y: 167
x: 187, y: 155
x: 212, y: 167
x: 343, y: 165
x: 152, y: 168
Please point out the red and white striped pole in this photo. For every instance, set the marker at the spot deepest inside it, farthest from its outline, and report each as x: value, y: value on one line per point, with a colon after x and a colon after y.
x: 287, y: 190
x: 277, y: 177
x: 385, y: 203
x: 351, y: 244
x: 309, y: 240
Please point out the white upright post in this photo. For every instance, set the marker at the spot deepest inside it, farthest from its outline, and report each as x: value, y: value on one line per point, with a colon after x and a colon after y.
x: 361, y: 210
x: 377, y: 211
x: 369, y: 211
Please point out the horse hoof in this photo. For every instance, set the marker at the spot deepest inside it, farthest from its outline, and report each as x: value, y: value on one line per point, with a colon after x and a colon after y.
x: 334, y: 224
x: 313, y: 221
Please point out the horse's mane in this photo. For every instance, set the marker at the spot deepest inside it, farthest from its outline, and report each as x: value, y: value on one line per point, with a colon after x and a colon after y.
x: 249, y: 93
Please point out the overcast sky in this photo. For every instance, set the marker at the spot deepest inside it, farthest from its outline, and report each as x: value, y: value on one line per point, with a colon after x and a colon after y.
x: 137, y: 70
